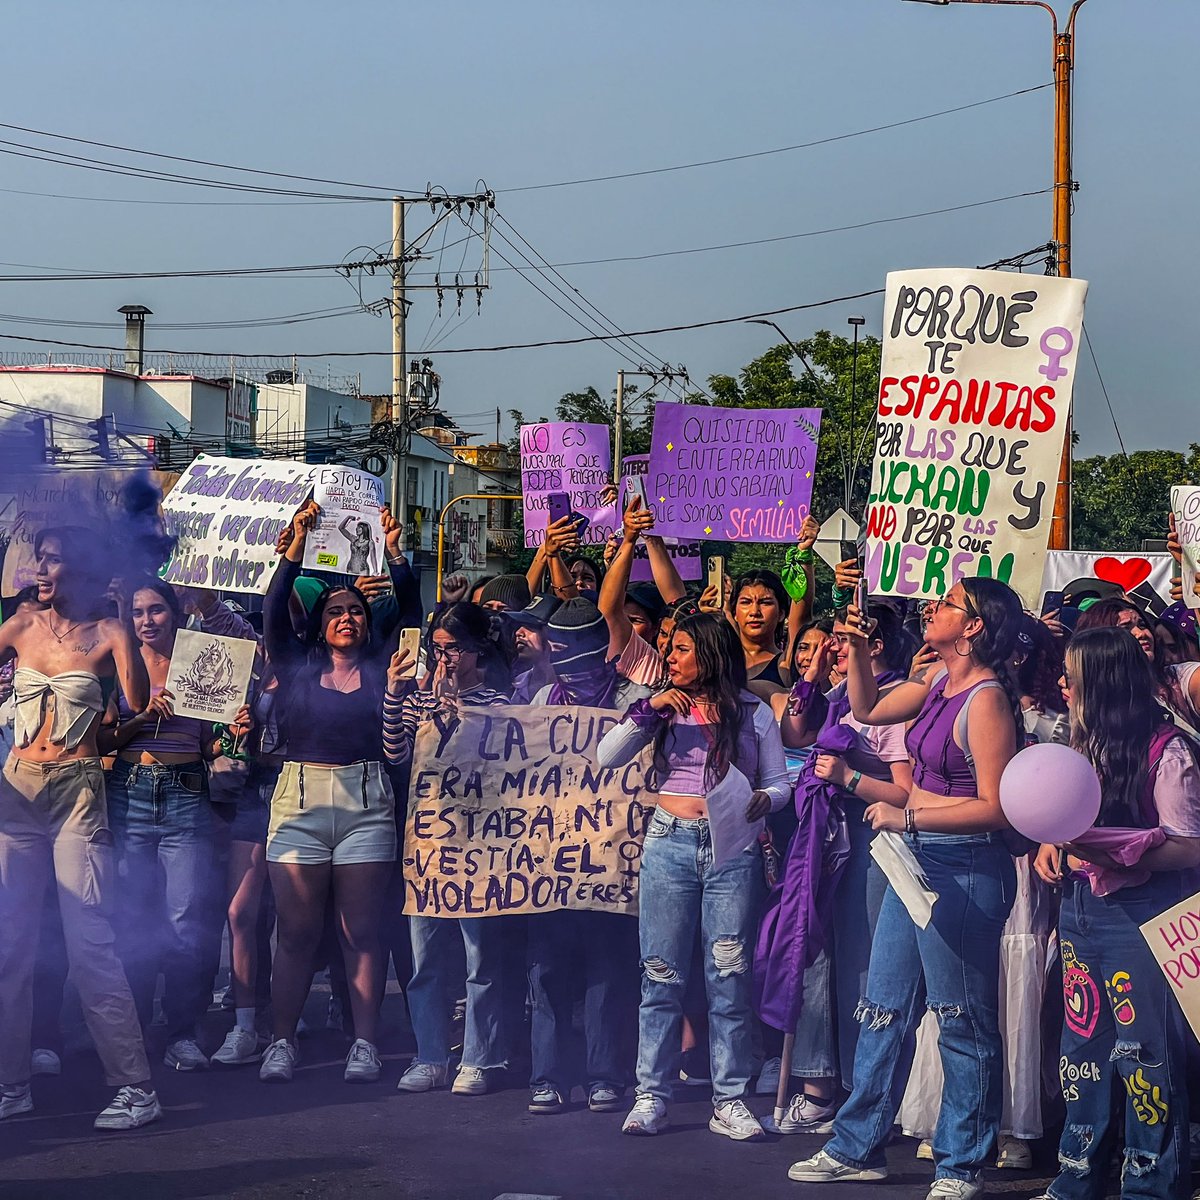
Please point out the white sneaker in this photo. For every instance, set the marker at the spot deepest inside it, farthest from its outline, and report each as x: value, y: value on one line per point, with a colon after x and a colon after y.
x: 768, y: 1078
x: 804, y: 1115
x: 925, y: 1150
x: 733, y: 1119
x: 954, y: 1189
x: 423, y: 1077
x: 647, y: 1116
x: 823, y: 1169
x: 470, y: 1081
x: 130, y: 1109
x: 362, y: 1063
x: 184, y: 1054
x: 241, y: 1046
x: 1015, y: 1155
x: 15, y: 1099
x: 278, y: 1062
x: 45, y: 1062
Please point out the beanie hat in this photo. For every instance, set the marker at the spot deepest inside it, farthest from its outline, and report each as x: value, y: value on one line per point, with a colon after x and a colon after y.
x: 510, y: 590
x: 648, y: 599
x: 580, y: 629
x: 308, y: 588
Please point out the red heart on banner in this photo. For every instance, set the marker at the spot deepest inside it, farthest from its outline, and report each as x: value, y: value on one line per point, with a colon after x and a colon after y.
x: 1125, y: 573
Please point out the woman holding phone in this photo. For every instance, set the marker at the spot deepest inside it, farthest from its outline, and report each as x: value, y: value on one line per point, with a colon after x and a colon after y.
x: 953, y: 825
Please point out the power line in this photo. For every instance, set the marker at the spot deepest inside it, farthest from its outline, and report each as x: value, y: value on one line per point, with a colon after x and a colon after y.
x: 184, y: 203
x: 1120, y: 441
x: 203, y: 162
x: 841, y: 137
x: 608, y: 337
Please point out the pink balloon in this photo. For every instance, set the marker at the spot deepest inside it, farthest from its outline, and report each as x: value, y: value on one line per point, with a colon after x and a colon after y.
x: 1050, y: 793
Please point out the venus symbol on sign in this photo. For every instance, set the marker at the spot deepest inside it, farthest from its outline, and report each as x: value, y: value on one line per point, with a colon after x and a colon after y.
x: 1055, y: 354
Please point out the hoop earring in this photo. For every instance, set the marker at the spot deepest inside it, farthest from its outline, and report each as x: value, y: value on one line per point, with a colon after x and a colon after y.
x: 963, y: 653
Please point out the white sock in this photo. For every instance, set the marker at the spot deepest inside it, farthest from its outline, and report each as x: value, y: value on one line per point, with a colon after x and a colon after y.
x: 245, y: 1019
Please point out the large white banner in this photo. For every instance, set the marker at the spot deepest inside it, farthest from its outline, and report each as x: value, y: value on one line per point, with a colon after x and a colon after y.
x: 974, y: 395
x: 226, y: 514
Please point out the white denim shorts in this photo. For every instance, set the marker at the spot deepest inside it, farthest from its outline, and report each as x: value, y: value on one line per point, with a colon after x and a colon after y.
x: 335, y: 815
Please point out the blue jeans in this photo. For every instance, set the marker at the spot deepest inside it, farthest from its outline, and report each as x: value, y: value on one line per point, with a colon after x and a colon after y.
x: 592, y: 952
x: 679, y: 891
x: 438, y: 944
x: 1121, y: 1027
x: 956, y: 961
x: 827, y: 1032
x: 170, y: 893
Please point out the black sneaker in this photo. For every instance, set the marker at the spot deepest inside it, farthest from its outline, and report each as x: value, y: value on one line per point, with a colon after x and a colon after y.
x: 545, y: 1100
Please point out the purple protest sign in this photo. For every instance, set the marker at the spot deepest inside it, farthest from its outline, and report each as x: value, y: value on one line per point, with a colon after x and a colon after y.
x: 565, y: 456
x: 686, y: 555
x: 732, y: 474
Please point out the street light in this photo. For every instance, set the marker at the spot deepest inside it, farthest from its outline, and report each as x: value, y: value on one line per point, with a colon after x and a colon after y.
x: 1064, y: 187
x: 857, y: 323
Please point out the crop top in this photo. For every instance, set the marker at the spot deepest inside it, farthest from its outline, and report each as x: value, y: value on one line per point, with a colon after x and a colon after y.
x: 78, y: 700
x: 940, y: 765
x: 337, y: 728
x: 171, y: 735
x: 759, y: 754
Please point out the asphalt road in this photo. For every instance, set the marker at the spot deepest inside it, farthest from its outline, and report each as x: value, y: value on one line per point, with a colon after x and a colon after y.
x: 226, y: 1134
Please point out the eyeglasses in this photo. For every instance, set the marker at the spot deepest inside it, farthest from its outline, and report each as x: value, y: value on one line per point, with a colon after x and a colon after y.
x: 450, y: 651
x: 932, y: 606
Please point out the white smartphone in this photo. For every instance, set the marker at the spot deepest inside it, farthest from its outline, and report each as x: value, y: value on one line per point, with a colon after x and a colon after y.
x: 410, y: 641
x: 635, y: 485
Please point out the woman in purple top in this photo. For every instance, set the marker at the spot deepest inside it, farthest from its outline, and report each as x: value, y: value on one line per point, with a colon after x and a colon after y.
x: 953, y: 826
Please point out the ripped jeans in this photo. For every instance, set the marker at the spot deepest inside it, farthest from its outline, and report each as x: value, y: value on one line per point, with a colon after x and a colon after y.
x: 1123, y: 1047
x: 955, y: 962
x: 680, y: 894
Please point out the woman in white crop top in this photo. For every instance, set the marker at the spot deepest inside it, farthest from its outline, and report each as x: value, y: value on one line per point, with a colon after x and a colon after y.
x: 717, y: 770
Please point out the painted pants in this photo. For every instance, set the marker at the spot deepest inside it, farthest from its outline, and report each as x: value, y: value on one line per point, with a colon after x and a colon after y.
x: 1122, y: 1046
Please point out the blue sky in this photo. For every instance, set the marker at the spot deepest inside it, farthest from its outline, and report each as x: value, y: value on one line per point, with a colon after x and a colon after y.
x: 405, y: 94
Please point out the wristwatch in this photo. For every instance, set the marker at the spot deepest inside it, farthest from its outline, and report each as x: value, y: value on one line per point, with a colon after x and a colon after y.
x: 855, y: 780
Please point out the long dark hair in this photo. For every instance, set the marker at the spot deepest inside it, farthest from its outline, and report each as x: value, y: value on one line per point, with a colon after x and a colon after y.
x: 167, y: 594
x: 721, y: 678
x: 314, y: 629
x: 1114, y: 713
x: 477, y: 631
x: 999, y: 608
x: 1041, y: 666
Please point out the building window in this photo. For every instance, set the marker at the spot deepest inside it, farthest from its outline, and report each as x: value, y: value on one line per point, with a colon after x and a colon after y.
x: 411, y: 492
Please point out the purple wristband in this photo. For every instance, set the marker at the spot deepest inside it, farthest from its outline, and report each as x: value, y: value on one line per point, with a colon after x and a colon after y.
x: 803, y: 691
x: 643, y: 715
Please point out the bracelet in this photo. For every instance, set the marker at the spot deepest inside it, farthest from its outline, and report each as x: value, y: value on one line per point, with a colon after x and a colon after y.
x: 910, y: 821
x: 855, y: 780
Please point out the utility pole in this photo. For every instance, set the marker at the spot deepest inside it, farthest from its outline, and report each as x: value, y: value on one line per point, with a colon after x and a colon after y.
x: 1064, y: 190
x: 619, y: 426
x: 399, y: 374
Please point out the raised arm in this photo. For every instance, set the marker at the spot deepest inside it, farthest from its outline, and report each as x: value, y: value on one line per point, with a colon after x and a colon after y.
x: 800, y: 581
x: 284, y: 648
x: 634, y: 521
x: 127, y: 656
x: 898, y: 704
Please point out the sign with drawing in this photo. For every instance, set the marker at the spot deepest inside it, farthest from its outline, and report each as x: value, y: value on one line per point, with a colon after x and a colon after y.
x: 209, y: 675
x: 348, y: 540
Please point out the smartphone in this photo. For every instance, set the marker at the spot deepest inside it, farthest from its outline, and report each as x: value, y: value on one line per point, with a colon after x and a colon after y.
x: 581, y: 523
x: 558, y: 505
x: 716, y: 577
x: 847, y: 550
x: 410, y: 641
x: 1053, y: 602
x: 635, y: 485
x: 860, y: 598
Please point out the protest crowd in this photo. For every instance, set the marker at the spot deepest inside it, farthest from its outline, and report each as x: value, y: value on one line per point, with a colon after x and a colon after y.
x: 827, y: 919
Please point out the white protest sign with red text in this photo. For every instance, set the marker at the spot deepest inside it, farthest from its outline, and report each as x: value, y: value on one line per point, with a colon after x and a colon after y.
x: 974, y: 395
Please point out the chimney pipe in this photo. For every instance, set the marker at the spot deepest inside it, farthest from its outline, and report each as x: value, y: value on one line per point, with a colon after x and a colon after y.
x: 135, y: 335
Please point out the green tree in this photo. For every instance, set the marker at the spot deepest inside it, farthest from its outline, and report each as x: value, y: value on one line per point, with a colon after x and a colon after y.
x: 1117, y: 501
x: 777, y: 379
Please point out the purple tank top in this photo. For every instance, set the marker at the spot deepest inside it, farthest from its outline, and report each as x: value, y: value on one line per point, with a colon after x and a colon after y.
x: 939, y: 764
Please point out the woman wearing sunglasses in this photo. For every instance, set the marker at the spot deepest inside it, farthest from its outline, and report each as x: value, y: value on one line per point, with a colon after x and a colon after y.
x: 952, y: 823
